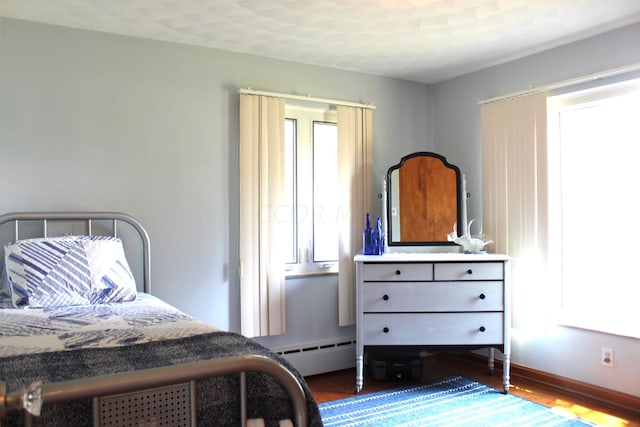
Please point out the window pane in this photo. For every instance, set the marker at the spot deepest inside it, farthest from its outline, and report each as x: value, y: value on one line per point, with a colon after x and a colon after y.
x: 288, y: 212
x: 599, y: 144
x: 325, y: 188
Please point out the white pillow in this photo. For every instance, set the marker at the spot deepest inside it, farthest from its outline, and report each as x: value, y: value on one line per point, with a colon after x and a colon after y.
x: 111, y: 277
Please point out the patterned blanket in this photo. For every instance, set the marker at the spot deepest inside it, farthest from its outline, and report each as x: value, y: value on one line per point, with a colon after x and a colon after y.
x: 218, y: 398
x: 147, y: 318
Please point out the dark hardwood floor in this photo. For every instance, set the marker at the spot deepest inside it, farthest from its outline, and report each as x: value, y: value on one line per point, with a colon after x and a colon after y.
x: 341, y: 384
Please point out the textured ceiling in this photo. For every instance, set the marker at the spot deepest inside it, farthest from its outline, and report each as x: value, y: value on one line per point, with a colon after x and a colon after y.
x: 421, y: 40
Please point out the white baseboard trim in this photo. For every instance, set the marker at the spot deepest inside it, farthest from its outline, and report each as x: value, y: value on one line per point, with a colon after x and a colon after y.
x: 321, y: 357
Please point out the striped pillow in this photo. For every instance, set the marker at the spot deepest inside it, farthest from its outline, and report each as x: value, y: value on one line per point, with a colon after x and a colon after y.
x: 70, y: 270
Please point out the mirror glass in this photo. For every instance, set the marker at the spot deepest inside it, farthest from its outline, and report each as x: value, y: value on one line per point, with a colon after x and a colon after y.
x: 423, y: 200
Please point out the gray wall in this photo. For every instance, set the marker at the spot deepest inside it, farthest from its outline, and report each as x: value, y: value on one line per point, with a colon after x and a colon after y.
x: 93, y: 121
x: 563, y: 351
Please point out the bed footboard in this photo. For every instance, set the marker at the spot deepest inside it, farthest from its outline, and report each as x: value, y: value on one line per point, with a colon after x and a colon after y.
x: 137, y: 381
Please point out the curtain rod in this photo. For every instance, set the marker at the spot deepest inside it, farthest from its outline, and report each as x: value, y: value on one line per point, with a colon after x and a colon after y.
x: 251, y: 91
x: 566, y: 83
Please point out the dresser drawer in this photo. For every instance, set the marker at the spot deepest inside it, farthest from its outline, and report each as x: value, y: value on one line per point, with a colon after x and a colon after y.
x: 432, y: 296
x: 433, y: 329
x: 397, y: 272
x: 469, y: 271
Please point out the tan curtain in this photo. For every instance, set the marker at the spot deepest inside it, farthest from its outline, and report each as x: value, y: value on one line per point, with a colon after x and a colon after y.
x: 355, y: 137
x: 515, y: 196
x: 262, y: 284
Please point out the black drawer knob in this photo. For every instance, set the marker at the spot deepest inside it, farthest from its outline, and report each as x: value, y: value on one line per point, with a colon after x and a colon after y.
x: 385, y: 297
x: 385, y: 330
x: 469, y: 271
x: 397, y: 272
x: 482, y: 329
x: 482, y: 296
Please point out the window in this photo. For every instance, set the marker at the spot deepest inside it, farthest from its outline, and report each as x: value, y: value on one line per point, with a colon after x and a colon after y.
x: 311, y: 177
x: 594, y: 147
x: 270, y: 224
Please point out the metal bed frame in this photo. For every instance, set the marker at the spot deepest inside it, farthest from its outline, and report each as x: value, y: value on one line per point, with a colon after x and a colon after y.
x: 88, y: 219
x: 149, y: 381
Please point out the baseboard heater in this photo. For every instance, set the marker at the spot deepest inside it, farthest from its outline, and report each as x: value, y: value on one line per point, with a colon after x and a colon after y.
x: 321, y: 356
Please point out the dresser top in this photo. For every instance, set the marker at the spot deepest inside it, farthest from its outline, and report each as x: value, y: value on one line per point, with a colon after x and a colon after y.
x: 431, y: 257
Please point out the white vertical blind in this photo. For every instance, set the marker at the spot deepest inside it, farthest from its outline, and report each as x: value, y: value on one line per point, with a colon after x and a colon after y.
x: 514, y: 197
x: 355, y: 166
x: 262, y: 285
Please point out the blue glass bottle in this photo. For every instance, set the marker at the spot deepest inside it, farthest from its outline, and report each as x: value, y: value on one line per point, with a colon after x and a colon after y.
x: 378, y: 236
x: 367, y: 237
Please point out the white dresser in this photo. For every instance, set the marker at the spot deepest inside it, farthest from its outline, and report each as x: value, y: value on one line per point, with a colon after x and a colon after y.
x: 433, y: 301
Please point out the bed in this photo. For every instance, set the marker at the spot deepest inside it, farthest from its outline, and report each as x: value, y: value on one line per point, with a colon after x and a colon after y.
x: 84, y: 341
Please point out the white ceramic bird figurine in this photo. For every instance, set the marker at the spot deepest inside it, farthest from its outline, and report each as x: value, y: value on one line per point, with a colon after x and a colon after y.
x: 469, y: 243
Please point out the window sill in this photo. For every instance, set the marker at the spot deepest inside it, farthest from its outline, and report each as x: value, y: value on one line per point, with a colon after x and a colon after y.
x: 607, y: 323
x: 307, y: 271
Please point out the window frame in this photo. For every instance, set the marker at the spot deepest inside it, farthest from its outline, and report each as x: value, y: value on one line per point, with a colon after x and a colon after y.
x: 304, y: 117
x: 610, y: 317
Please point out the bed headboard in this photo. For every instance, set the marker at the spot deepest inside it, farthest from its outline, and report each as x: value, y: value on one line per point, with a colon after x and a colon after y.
x: 135, y: 239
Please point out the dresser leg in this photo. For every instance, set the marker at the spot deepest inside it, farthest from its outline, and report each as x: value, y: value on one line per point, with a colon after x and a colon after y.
x: 492, y: 355
x: 506, y: 368
x: 359, y: 372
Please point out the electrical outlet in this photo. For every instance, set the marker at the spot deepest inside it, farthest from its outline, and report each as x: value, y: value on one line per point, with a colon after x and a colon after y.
x: 607, y: 357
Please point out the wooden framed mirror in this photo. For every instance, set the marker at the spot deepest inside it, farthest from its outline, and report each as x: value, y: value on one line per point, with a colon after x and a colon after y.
x: 423, y: 201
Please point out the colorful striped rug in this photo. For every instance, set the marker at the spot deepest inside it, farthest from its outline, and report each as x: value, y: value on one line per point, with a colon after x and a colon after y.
x: 450, y: 401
